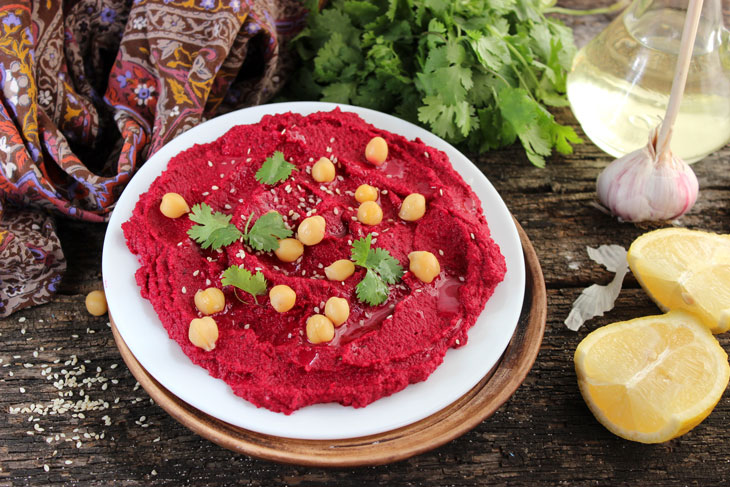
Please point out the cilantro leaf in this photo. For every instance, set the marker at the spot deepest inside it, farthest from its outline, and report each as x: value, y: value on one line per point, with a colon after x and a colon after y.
x: 360, y: 250
x: 382, y: 269
x: 442, y: 64
x: 387, y: 267
x: 237, y: 276
x: 372, y: 290
x: 274, y: 169
x: 214, y: 229
x: 266, y: 232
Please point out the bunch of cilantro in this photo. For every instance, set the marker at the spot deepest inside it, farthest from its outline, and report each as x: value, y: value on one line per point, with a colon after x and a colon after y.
x: 475, y: 72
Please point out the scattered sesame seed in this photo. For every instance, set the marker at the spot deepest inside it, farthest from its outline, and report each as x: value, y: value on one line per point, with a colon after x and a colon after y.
x: 184, y: 290
x: 196, y: 272
x: 441, y: 252
x: 21, y: 319
x: 46, y: 468
x: 214, y: 188
x: 210, y: 164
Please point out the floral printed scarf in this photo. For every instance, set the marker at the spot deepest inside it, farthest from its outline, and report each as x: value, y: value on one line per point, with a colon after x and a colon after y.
x: 91, y: 88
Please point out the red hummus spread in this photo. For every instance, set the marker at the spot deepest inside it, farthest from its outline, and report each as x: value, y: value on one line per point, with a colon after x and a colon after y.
x: 264, y: 355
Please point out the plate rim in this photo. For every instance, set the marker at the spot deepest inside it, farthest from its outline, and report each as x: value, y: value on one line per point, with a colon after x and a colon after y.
x: 213, y: 129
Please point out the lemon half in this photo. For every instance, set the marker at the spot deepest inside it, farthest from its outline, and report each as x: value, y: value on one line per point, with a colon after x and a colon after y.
x: 654, y: 378
x: 686, y: 269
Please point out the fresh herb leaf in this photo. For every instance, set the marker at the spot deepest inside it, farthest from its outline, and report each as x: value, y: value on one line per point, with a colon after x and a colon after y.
x: 237, y: 276
x: 477, y: 73
x: 372, y: 289
x: 214, y: 229
x: 382, y: 269
x: 360, y: 250
x: 274, y: 169
x: 266, y: 232
x: 385, y: 265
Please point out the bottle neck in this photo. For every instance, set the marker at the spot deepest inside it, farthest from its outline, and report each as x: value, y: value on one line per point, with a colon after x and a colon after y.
x: 657, y: 24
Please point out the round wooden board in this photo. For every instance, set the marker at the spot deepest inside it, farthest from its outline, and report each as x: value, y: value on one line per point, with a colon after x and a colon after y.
x: 449, y: 423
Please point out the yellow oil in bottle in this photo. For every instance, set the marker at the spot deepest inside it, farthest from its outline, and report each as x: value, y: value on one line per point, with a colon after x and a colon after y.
x: 620, y: 83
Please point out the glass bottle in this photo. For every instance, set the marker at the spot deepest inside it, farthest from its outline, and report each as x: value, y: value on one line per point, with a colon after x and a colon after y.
x: 620, y: 82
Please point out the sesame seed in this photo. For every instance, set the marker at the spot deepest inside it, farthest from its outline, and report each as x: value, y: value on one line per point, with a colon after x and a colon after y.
x: 205, y: 193
x: 210, y: 164
x: 195, y: 273
x: 46, y: 468
x: 441, y: 252
x: 472, y: 236
x: 457, y: 341
x: 184, y: 290
x: 227, y: 206
x: 214, y: 188
x: 332, y: 140
x: 21, y: 319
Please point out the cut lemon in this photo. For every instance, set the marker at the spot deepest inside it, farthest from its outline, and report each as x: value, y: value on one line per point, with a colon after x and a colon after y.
x: 654, y: 378
x: 686, y: 269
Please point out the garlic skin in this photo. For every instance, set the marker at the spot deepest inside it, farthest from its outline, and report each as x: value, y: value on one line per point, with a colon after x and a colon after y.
x: 643, y: 186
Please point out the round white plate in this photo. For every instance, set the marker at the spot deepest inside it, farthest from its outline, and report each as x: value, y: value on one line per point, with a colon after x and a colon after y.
x: 461, y: 369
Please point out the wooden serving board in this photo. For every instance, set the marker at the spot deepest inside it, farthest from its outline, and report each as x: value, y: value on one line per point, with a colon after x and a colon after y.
x: 439, y: 428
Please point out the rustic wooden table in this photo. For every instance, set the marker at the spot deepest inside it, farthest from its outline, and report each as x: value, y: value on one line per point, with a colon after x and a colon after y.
x: 544, y: 435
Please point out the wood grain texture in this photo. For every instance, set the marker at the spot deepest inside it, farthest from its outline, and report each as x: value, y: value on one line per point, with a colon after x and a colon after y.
x: 543, y: 436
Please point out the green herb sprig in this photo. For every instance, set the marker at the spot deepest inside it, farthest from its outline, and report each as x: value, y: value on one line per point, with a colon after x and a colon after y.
x: 477, y: 72
x: 275, y: 169
x: 381, y: 269
x: 215, y: 230
x: 241, y: 278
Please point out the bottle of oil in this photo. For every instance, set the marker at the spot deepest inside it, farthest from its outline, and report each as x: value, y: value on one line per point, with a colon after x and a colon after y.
x: 620, y: 82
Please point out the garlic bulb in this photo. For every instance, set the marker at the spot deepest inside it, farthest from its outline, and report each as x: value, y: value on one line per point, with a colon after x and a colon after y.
x: 644, y: 185
x: 651, y: 183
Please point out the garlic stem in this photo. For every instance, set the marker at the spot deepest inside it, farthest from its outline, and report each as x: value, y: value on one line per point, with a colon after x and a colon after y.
x: 686, y: 45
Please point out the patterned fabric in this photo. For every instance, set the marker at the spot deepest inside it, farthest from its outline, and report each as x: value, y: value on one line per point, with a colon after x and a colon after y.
x: 91, y: 88
x: 31, y: 260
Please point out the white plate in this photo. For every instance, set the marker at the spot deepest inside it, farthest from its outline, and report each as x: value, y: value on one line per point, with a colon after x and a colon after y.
x: 461, y: 369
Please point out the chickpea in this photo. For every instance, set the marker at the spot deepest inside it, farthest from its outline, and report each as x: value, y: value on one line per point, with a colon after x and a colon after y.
x: 96, y: 303
x: 337, y: 310
x: 339, y: 270
x: 369, y: 213
x: 413, y: 207
x: 203, y: 333
x: 173, y: 205
x: 320, y: 329
x: 424, y: 265
x: 323, y: 170
x: 282, y: 298
x: 311, y: 230
x: 365, y: 192
x: 290, y: 249
x: 376, y: 152
x: 209, y: 301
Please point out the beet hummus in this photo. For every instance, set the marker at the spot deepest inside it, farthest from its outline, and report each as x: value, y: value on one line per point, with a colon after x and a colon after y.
x: 265, y: 355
